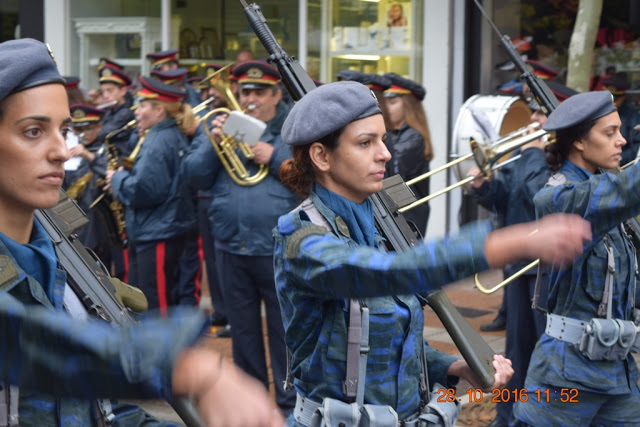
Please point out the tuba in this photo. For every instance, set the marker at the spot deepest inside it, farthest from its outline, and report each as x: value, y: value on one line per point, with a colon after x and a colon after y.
x: 238, y: 134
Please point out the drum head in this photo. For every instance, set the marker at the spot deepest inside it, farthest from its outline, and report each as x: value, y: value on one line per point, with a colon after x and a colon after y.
x: 485, y: 118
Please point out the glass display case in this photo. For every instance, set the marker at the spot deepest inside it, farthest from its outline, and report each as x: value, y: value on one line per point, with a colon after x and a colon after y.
x: 365, y: 35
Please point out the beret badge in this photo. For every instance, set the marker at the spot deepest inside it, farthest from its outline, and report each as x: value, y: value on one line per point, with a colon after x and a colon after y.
x: 51, y: 54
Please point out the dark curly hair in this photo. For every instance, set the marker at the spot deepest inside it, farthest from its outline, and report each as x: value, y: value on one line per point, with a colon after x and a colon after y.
x: 556, y: 153
x: 298, y: 173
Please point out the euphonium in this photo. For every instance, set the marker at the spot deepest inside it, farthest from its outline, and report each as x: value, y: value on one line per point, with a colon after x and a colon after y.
x: 226, y: 149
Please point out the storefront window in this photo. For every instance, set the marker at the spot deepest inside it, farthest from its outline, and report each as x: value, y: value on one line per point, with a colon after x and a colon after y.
x: 372, y: 37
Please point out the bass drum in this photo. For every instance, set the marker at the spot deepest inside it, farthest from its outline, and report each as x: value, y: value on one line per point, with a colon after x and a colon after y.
x: 504, y: 114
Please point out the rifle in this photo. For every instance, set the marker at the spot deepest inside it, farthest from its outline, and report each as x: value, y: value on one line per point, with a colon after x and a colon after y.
x: 90, y: 281
x: 541, y: 92
x: 389, y: 221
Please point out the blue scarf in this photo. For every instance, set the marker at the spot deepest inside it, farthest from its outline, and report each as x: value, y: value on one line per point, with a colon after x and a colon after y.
x: 357, y: 216
x: 37, y: 258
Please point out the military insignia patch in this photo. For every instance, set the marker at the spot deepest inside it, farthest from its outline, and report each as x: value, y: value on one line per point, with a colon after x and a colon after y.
x: 294, y: 241
x: 8, y: 271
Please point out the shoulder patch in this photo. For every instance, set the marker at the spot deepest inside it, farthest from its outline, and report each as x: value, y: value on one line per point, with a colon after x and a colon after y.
x: 293, y: 244
x: 8, y: 271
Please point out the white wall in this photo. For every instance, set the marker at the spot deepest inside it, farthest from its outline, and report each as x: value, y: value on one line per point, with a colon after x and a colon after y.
x: 436, y: 78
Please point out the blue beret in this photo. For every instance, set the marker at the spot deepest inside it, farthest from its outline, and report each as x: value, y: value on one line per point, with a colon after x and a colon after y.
x: 580, y: 108
x: 26, y: 63
x: 327, y: 109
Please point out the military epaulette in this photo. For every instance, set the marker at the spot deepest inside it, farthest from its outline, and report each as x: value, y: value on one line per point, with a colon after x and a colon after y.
x: 8, y: 271
x: 294, y: 241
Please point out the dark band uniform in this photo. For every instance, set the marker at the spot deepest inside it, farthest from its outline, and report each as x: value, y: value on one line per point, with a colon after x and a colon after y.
x: 242, y: 218
x: 606, y: 391
x: 407, y: 150
x: 159, y: 211
x: 119, y: 115
x: 93, y: 235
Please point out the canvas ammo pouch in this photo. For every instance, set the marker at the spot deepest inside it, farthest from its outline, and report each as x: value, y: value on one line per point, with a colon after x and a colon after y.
x: 335, y: 412
x: 609, y: 339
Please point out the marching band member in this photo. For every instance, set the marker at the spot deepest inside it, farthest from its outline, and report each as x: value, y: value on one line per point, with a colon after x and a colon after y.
x: 158, y: 209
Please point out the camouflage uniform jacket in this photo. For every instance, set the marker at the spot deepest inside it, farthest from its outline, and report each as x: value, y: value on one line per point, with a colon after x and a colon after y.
x: 606, y: 200
x: 47, y: 353
x: 315, y: 276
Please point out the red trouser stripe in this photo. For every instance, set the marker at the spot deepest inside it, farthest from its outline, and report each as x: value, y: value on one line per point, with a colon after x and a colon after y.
x: 161, y: 278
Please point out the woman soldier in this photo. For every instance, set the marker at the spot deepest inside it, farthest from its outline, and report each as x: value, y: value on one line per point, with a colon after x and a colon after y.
x: 328, y: 250
x: 581, y: 372
x: 410, y: 145
x: 58, y: 362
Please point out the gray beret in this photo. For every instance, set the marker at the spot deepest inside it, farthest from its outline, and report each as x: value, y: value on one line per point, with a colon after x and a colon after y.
x: 25, y: 63
x: 326, y: 109
x: 580, y: 108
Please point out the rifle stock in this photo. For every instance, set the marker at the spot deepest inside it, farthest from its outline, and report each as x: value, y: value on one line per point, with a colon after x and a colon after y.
x: 89, y: 280
x: 389, y: 221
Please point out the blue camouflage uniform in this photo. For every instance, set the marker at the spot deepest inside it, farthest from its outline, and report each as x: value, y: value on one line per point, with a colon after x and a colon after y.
x: 84, y: 359
x: 607, y: 390
x: 159, y: 212
x: 315, y: 277
x: 510, y: 194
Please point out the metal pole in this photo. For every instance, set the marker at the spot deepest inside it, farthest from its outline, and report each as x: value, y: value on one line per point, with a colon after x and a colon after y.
x: 165, y: 16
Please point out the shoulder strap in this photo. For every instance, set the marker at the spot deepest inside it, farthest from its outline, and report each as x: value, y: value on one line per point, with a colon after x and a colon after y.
x: 9, y: 397
x: 554, y: 180
x: 358, y: 331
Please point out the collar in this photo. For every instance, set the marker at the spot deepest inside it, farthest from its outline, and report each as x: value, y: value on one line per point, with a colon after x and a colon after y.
x: 574, y: 172
x: 354, y: 220
x: 275, y: 125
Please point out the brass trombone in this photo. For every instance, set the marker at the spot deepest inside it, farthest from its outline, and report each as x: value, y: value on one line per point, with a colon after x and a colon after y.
x: 485, y: 157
